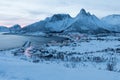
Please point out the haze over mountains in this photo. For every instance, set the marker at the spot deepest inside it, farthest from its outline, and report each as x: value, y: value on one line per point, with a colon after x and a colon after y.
x: 84, y: 22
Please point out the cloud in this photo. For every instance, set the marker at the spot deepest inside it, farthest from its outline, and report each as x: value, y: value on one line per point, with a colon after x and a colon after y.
x: 27, y: 11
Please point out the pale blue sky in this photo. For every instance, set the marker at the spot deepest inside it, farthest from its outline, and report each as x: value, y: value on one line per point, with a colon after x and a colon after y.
x: 25, y: 12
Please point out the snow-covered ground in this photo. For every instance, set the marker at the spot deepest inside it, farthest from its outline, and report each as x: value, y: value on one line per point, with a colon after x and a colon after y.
x: 92, y: 44
x: 14, y: 69
x: 92, y: 58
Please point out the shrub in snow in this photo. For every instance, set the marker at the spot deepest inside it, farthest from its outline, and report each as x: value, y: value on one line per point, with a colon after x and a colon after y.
x: 111, y: 64
x: 98, y: 59
x: 118, y: 50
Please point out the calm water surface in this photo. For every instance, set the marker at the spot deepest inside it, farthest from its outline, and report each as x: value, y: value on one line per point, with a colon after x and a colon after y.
x: 12, y: 41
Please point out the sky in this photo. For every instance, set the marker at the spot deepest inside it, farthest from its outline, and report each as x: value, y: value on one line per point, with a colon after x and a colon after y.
x: 25, y: 12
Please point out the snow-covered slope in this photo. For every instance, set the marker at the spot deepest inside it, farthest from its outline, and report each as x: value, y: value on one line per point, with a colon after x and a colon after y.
x: 113, y: 20
x: 85, y: 22
x: 19, y: 70
x: 15, y: 28
x: 3, y: 29
x: 56, y: 23
x: 35, y: 27
x: 80, y: 62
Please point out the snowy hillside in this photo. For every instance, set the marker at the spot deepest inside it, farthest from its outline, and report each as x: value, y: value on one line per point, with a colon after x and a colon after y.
x: 3, y: 29
x: 19, y: 70
x: 113, y: 20
x: 56, y: 23
x: 85, y: 22
x: 15, y: 28
x: 35, y: 27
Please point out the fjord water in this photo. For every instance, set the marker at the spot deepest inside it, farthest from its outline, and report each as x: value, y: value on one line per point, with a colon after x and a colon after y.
x: 13, y: 41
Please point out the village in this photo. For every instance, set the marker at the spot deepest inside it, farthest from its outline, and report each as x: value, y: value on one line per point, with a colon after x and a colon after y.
x: 78, y: 50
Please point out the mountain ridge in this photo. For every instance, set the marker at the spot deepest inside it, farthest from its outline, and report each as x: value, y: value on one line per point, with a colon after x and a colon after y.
x: 83, y: 22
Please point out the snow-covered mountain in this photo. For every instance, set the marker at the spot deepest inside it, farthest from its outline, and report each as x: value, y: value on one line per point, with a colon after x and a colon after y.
x: 35, y: 27
x: 3, y: 29
x: 84, y: 22
x: 15, y: 28
x: 56, y: 23
x: 113, y: 20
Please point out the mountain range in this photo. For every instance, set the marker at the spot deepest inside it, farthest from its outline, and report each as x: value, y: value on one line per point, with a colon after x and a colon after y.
x: 84, y: 22
x: 3, y: 29
x: 13, y: 29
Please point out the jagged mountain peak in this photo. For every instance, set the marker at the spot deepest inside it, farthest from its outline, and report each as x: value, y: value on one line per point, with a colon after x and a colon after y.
x: 83, y: 13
